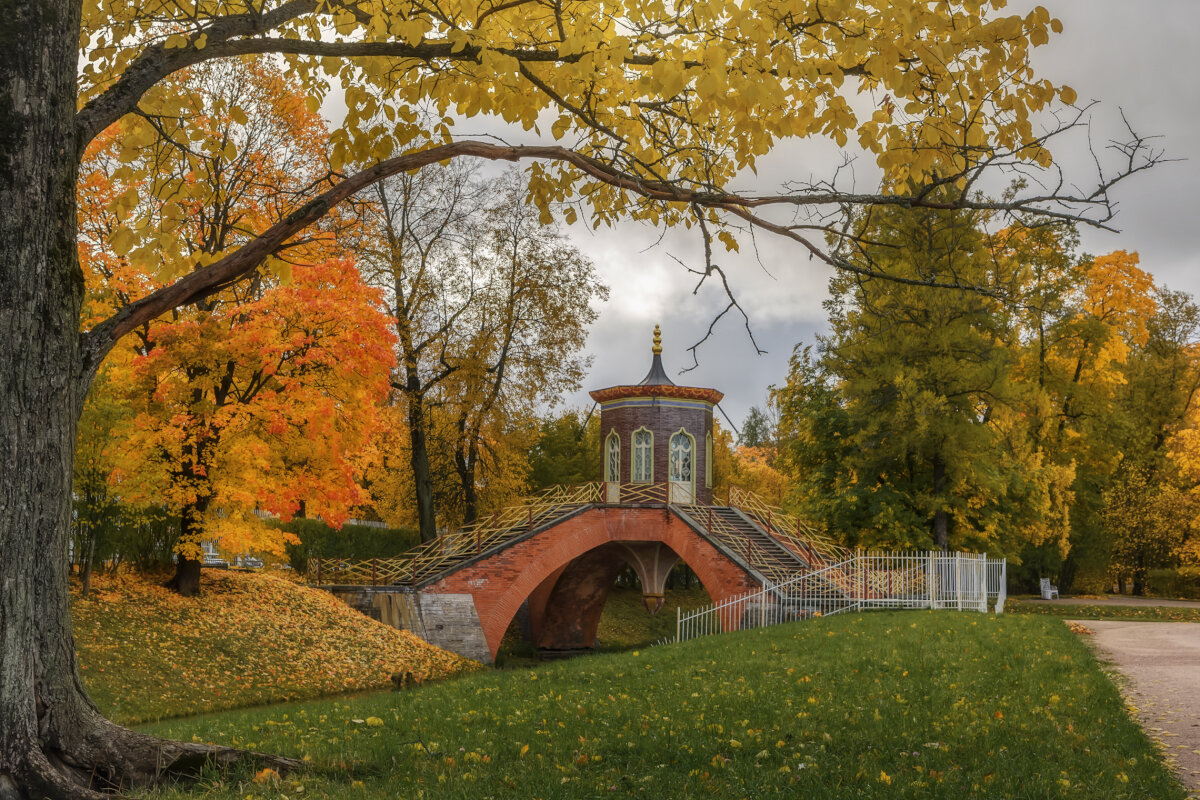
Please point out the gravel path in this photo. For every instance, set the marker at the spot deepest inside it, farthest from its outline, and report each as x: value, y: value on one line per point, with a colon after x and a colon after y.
x: 1162, y: 663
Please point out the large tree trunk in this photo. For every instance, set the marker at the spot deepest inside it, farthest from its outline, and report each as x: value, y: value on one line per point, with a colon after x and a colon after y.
x: 464, y: 464
x: 53, y: 742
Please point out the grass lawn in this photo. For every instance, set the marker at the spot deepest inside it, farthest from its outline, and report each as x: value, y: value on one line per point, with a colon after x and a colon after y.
x: 146, y: 653
x: 1127, y: 613
x: 625, y: 622
x: 885, y: 705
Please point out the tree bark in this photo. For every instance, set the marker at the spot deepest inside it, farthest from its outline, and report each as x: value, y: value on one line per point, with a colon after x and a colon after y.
x: 464, y: 465
x: 186, y: 580
x: 941, y: 520
x: 53, y: 742
x: 422, y: 475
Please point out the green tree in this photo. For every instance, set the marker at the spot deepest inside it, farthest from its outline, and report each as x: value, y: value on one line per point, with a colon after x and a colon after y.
x: 567, y: 451
x: 758, y: 430
x: 1147, y: 518
x: 98, y: 508
x: 903, y: 430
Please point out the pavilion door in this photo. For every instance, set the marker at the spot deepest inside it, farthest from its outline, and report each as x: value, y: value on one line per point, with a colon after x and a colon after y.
x: 681, y: 485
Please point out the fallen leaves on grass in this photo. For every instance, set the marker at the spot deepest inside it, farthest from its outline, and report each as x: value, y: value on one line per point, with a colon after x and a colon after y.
x: 1083, y: 630
x: 146, y: 653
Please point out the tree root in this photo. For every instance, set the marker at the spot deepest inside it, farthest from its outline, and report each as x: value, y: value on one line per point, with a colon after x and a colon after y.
x: 113, y: 760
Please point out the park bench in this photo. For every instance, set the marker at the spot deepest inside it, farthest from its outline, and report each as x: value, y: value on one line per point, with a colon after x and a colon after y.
x: 1049, y: 592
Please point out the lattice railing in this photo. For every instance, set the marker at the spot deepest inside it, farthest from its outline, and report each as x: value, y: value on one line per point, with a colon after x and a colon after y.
x: 449, y: 549
x: 807, y: 541
x: 634, y: 493
x: 736, y: 540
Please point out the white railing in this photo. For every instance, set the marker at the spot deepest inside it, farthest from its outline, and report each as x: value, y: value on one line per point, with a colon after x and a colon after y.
x: 936, y: 580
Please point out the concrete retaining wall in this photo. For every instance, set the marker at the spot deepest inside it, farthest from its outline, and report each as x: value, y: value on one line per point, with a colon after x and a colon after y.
x: 449, y: 621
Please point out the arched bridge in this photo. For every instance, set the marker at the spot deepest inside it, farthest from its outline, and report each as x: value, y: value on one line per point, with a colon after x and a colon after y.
x: 557, y: 556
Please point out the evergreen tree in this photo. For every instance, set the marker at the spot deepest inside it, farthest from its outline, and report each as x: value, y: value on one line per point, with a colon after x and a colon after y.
x: 903, y: 427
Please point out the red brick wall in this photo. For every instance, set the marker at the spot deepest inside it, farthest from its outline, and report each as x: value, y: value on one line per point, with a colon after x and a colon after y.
x: 501, y: 583
x: 663, y: 420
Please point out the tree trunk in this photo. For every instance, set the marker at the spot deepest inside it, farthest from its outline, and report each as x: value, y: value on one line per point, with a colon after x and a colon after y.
x: 464, y: 464
x: 941, y: 520
x: 422, y: 475
x: 85, y: 566
x: 186, y: 580
x: 53, y: 742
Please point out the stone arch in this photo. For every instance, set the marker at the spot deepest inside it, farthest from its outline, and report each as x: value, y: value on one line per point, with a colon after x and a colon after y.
x: 501, y: 583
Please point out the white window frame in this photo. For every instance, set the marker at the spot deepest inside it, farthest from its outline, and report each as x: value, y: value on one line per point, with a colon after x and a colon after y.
x: 613, y: 439
x: 633, y: 454
x: 692, y: 451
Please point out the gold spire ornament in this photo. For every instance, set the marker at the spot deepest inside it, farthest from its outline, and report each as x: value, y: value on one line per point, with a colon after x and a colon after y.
x: 657, y: 349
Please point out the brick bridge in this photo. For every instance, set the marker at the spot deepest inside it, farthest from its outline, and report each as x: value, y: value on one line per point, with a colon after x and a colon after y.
x: 554, y: 560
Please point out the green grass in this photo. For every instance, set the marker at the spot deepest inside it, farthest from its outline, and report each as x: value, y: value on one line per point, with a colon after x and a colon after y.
x: 1126, y: 613
x: 886, y: 705
x: 626, y: 624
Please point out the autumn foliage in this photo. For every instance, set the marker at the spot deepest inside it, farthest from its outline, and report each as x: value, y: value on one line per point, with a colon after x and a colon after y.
x: 145, y: 653
x: 264, y: 397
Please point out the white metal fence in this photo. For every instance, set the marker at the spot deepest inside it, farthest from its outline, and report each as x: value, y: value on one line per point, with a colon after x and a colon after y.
x: 934, y: 579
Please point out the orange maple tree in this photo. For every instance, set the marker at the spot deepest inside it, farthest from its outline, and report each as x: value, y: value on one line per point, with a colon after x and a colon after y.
x: 264, y: 395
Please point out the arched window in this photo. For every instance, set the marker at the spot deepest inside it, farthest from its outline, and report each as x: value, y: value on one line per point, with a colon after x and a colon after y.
x: 643, y: 456
x: 612, y: 460
x: 708, y: 465
x: 682, y: 457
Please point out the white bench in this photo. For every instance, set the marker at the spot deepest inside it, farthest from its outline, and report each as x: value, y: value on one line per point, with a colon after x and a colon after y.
x: 1049, y: 592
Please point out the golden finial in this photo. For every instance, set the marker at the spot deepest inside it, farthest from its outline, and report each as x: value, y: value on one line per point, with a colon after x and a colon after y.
x: 657, y: 349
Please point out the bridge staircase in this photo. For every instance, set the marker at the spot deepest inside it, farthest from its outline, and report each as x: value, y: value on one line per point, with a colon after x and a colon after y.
x: 744, y: 540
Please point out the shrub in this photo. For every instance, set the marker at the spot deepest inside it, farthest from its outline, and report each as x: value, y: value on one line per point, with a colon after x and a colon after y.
x: 1178, y: 582
x: 318, y: 540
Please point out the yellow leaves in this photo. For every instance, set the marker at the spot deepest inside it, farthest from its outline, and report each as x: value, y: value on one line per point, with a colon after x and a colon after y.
x: 279, y: 641
x: 667, y: 79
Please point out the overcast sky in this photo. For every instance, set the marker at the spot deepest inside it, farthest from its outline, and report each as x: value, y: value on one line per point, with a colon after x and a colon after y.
x: 1137, y: 57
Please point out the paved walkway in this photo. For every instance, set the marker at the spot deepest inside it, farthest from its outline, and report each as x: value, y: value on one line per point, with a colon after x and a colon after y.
x: 1113, y: 600
x: 1162, y: 662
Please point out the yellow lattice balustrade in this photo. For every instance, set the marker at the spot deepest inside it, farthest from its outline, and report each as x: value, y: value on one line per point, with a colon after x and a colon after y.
x: 450, y: 549
x: 802, y: 537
